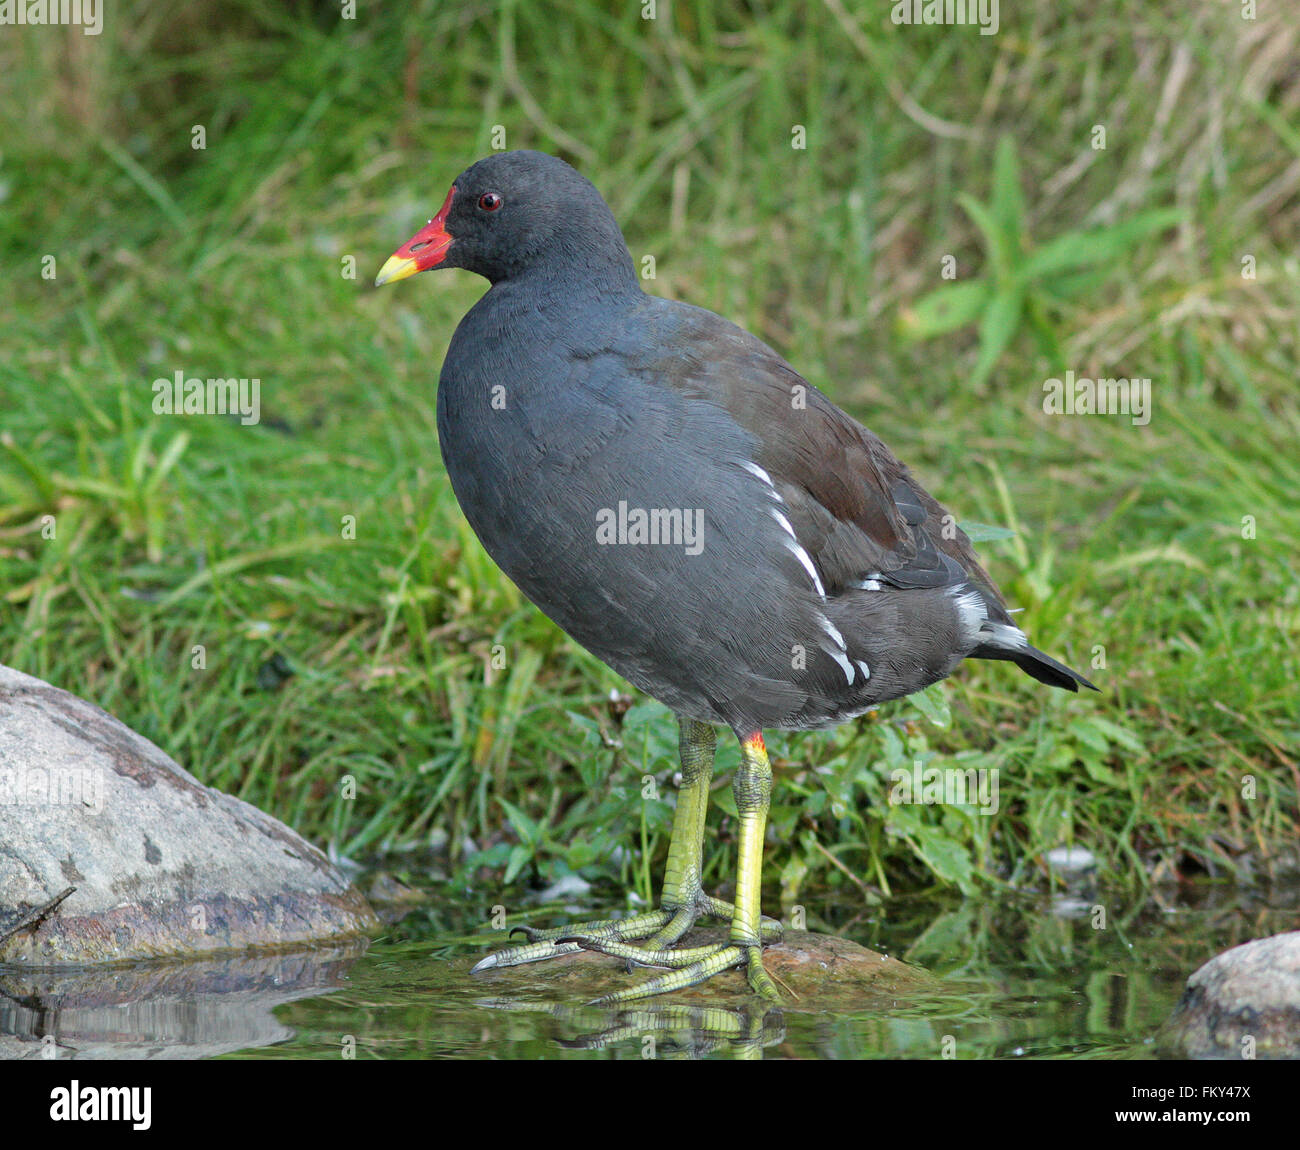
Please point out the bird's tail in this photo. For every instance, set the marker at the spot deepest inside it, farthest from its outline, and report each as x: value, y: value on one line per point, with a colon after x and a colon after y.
x: 1035, y: 663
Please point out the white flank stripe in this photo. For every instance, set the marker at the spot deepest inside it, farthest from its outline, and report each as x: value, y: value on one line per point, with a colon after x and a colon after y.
x: 797, y: 550
x: 834, y: 632
x: 843, y: 661
x: 754, y: 469
x: 785, y: 523
x: 840, y: 656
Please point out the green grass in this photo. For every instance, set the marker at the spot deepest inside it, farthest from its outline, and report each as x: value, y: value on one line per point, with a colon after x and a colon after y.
x: 196, y: 562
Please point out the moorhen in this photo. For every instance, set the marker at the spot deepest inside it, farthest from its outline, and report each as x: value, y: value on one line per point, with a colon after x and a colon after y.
x: 686, y: 506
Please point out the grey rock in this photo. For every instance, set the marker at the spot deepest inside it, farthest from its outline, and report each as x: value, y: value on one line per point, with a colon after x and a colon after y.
x: 1243, y: 1003
x: 159, y: 865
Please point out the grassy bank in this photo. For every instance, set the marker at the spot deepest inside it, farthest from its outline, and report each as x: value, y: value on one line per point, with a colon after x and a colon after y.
x: 295, y: 609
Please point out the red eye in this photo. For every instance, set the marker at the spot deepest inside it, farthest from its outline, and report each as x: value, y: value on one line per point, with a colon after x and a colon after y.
x: 489, y: 201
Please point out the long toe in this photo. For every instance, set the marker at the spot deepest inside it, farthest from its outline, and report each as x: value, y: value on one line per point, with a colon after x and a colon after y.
x: 544, y: 944
x: 519, y: 955
x: 721, y: 957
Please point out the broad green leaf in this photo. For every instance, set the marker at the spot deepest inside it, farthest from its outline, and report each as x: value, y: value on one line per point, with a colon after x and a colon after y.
x: 949, y: 860
x: 998, y: 325
x: 519, y: 857
x: 933, y: 705
x: 1088, y: 249
x: 1008, y: 197
x: 1089, y: 735
x: 1072, y: 250
x: 792, y: 876
x: 591, y: 734
x: 1070, y: 284
x: 1100, y: 773
x: 1118, y: 734
x: 525, y: 827
x: 642, y: 714
x: 945, y: 309
x: 581, y: 853
x: 985, y: 532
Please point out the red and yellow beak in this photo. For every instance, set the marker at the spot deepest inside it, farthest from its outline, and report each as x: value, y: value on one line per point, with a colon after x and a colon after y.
x: 424, y: 250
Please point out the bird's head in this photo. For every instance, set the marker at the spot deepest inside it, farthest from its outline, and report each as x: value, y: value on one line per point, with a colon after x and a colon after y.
x: 509, y: 213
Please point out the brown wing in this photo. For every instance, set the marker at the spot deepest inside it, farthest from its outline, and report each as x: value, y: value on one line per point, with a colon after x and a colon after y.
x: 854, y: 507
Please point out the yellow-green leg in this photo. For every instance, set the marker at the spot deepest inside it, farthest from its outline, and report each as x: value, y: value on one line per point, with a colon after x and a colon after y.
x: 683, y: 873
x: 683, y: 900
x: 690, y: 966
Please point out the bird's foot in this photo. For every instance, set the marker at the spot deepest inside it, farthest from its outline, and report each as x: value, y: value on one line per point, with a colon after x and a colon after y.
x: 687, y: 966
x: 659, y: 929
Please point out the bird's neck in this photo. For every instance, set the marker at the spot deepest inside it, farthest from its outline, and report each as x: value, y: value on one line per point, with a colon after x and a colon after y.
x: 564, y: 291
x: 586, y: 256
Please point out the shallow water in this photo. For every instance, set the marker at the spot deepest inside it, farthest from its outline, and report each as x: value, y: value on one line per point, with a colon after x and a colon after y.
x: 1021, y: 978
x: 1024, y: 977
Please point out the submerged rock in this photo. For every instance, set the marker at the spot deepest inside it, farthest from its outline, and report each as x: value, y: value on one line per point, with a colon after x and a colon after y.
x: 109, y: 850
x: 816, y: 972
x: 1243, y: 1003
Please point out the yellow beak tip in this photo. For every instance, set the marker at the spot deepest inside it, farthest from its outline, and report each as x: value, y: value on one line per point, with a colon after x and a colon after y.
x: 397, y: 268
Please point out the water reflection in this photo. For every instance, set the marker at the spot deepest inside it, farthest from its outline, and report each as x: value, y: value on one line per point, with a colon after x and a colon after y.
x: 194, y: 1009
x: 1078, y: 975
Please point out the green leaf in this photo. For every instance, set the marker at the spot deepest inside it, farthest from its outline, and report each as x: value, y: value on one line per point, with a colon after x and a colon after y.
x: 1087, y: 733
x: 933, y: 704
x: 525, y: 827
x: 1008, y: 197
x: 1076, y: 250
x: 1067, y: 286
x: 985, y: 532
x: 519, y: 857
x: 997, y: 327
x: 101, y: 488
x: 591, y: 735
x: 948, y: 859
x: 1100, y: 773
x: 641, y: 714
x: 140, y: 456
x: 1072, y: 250
x: 945, y: 309
x: 1117, y: 734
x: 493, y: 856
